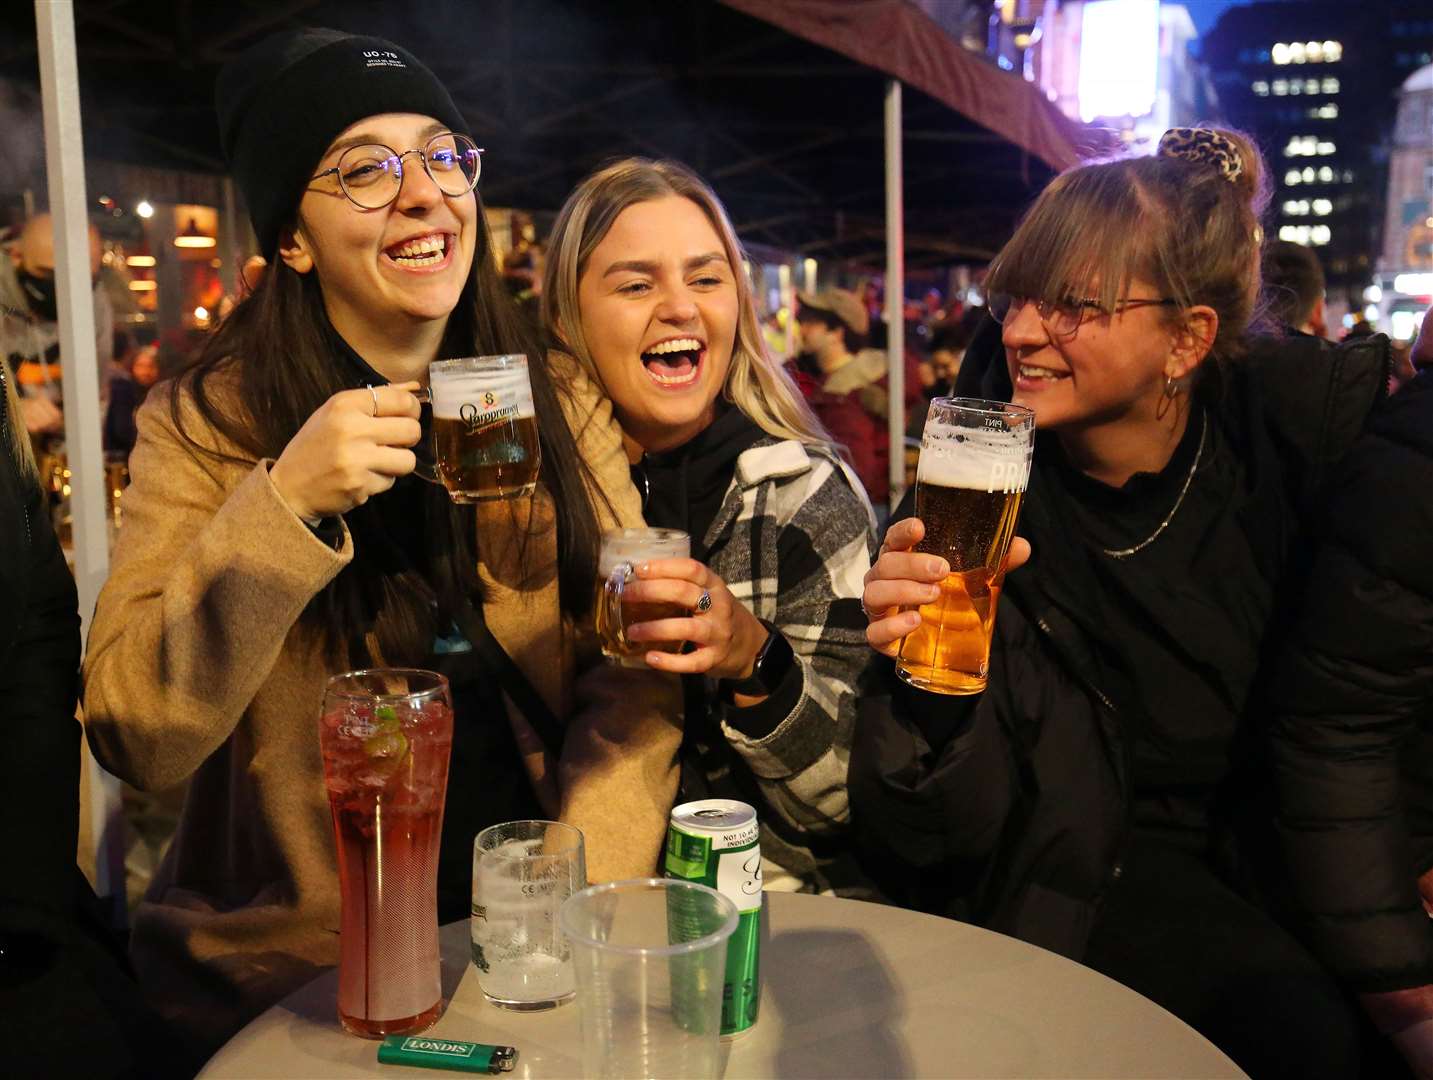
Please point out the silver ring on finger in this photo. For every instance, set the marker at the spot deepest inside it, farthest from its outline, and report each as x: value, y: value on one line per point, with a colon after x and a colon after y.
x: 871, y: 615
x: 374, y: 393
x: 704, y: 603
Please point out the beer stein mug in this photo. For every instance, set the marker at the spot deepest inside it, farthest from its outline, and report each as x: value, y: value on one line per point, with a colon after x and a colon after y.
x: 970, y: 480
x: 485, y: 443
x: 621, y: 550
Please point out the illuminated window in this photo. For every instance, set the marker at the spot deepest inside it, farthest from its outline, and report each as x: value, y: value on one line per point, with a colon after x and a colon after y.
x: 1292, y: 177
x: 1322, y: 207
x: 1311, y: 86
x: 1324, y: 112
x: 1296, y: 208
x: 1304, y: 146
x: 1298, y: 234
x: 1333, y: 52
x: 1330, y: 86
x: 1261, y: 88
x: 1280, y: 53
x: 1320, y: 234
x: 1281, y: 87
x: 1325, y: 175
x: 1327, y: 148
x: 1314, y: 51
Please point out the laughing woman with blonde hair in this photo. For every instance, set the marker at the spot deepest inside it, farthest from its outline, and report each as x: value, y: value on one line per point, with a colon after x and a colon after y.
x: 646, y: 289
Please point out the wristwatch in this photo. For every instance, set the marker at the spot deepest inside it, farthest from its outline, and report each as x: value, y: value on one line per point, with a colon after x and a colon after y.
x: 773, y: 661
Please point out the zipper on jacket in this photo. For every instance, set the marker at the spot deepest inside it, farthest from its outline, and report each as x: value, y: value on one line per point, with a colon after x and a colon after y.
x: 1116, y: 868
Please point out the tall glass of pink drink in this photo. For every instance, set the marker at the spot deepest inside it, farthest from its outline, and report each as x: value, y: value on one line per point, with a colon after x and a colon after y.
x: 386, y: 735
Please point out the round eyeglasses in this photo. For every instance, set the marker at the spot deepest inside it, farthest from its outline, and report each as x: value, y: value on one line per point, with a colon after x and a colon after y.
x: 371, y: 174
x: 1063, y: 318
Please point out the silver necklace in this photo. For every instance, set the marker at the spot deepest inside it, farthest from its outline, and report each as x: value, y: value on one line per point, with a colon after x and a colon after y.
x: 1125, y: 553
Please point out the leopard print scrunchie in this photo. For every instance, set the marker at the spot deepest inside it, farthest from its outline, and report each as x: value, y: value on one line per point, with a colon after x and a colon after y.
x: 1205, y: 146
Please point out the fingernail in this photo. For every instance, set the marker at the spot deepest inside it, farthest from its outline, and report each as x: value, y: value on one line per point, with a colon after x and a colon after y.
x: 913, y: 619
x: 936, y: 566
x: 642, y: 567
x: 933, y: 592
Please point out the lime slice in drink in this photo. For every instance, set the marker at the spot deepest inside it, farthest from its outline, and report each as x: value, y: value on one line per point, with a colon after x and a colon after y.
x: 386, y: 744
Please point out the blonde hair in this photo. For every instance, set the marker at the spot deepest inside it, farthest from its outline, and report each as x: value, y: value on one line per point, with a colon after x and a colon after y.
x: 1180, y: 224
x: 19, y: 439
x: 755, y: 384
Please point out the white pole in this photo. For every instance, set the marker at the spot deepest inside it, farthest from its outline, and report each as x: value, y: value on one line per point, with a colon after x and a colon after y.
x: 65, y: 169
x: 895, y: 292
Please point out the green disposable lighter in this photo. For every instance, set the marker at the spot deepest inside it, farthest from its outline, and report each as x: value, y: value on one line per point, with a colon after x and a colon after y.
x: 429, y: 1053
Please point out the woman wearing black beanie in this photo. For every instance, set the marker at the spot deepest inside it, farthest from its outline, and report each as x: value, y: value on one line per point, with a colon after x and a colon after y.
x: 275, y: 534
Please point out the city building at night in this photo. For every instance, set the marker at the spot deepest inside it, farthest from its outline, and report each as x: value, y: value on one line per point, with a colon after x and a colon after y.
x: 1317, y: 85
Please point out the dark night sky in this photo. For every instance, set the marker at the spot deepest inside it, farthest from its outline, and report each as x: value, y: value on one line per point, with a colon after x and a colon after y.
x: 1206, y: 12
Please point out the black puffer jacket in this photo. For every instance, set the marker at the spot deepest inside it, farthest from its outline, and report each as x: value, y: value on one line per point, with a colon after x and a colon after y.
x: 1354, y: 701
x: 1012, y: 809
x: 60, y: 971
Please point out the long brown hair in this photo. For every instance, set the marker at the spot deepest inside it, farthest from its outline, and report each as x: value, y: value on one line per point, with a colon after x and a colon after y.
x: 755, y: 383
x: 1179, y: 224
x: 273, y: 362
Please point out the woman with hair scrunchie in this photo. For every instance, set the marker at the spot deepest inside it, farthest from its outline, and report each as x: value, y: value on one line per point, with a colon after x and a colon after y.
x: 1108, y: 796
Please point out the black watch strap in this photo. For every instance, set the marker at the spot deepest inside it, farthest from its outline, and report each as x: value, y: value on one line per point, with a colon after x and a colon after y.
x: 773, y: 661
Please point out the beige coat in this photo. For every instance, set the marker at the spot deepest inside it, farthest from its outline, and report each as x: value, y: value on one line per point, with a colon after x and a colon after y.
x: 196, y: 668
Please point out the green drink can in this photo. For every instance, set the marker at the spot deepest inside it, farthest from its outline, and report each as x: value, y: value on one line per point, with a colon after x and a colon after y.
x: 717, y: 842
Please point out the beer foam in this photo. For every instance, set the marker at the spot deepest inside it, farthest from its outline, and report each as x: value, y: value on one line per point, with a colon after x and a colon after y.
x: 975, y: 460
x: 476, y: 397
x: 617, y: 550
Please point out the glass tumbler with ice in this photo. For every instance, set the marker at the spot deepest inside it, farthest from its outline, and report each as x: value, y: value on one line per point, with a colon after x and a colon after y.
x: 522, y: 872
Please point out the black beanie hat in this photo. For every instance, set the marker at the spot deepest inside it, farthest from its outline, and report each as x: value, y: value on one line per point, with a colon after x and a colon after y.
x: 282, y: 102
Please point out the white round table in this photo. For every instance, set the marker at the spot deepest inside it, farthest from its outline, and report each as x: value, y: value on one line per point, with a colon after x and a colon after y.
x: 850, y: 989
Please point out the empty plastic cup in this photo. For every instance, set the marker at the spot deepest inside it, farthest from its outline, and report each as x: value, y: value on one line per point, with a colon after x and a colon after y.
x: 650, y: 957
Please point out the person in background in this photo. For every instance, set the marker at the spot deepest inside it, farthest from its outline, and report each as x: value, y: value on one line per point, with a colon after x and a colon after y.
x: 1294, y: 287
x: 833, y: 325
x: 29, y: 329
x: 1352, y: 733
x: 645, y: 290
x: 1108, y: 795
x: 60, y: 968
x: 275, y: 534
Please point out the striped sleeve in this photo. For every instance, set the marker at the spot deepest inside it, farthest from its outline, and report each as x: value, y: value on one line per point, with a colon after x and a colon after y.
x: 808, y: 584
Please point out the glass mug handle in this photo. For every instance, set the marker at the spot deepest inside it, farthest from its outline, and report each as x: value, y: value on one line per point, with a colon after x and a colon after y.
x: 612, y: 602
x: 423, y: 469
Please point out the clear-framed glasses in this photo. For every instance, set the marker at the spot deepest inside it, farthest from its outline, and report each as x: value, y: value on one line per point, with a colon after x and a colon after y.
x: 371, y: 174
x: 1063, y: 318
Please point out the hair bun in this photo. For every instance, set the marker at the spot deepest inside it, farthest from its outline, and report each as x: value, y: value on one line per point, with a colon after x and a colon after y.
x: 1204, y: 146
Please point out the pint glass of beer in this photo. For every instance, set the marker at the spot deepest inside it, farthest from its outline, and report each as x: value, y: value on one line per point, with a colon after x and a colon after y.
x: 621, y: 550
x: 485, y: 442
x: 973, y: 470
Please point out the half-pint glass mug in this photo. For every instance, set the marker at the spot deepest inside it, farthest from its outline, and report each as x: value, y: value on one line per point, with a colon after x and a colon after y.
x: 622, y: 549
x: 971, y: 478
x: 485, y: 443
x: 385, y: 736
